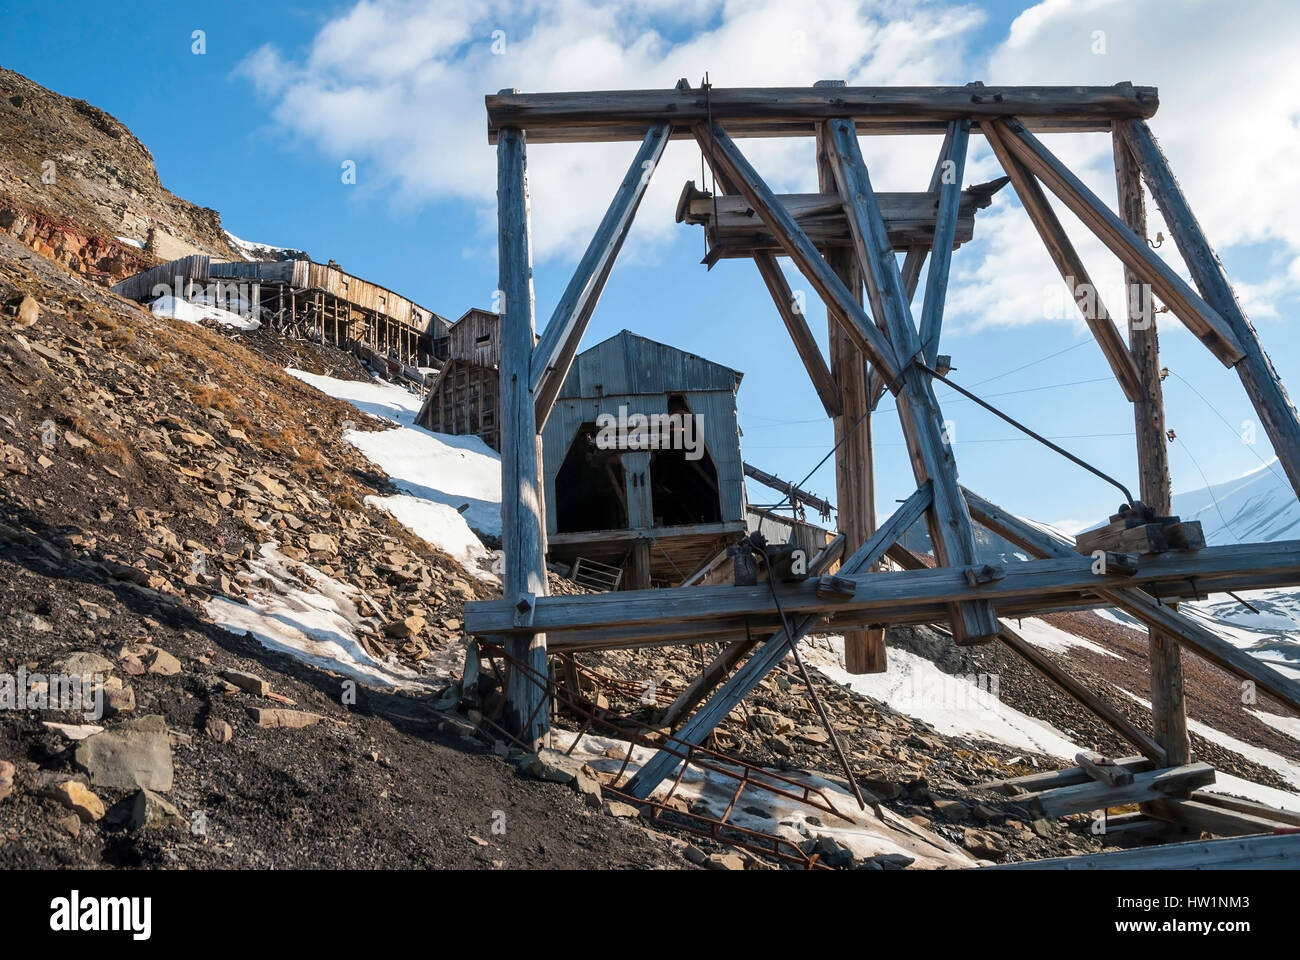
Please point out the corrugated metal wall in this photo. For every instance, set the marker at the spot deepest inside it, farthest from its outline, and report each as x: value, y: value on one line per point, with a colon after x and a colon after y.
x: 640, y: 374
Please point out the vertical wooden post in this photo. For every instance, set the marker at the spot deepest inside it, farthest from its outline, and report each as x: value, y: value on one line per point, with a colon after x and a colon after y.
x: 523, y: 522
x: 1168, y: 712
x: 855, y: 482
x: 1261, y: 381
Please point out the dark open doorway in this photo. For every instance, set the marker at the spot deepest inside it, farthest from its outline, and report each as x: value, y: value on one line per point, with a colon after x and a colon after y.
x: 684, y: 491
x: 589, y: 491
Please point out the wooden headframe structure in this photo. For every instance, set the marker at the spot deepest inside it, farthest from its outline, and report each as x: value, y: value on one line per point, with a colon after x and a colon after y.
x: 878, y: 343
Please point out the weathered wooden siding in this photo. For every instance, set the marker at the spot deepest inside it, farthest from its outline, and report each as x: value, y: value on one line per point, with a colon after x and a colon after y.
x: 299, y: 274
x: 474, y: 338
x: 176, y: 275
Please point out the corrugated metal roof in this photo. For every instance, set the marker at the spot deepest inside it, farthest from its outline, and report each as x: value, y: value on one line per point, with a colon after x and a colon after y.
x: 627, y: 364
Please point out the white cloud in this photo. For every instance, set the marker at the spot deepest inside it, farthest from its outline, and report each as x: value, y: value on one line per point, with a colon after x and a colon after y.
x: 400, y: 89
x: 398, y: 86
x: 1229, y: 122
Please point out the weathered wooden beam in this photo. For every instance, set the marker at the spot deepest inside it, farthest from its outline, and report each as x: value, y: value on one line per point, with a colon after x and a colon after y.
x: 1093, y: 795
x: 879, y: 593
x: 792, y: 315
x: 854, y: 432
x: 915, y: 257
x: 723, y: 153
x: 1082, y: 290
x: 560, y: 340
x: 1256, y: 371
x: 1103, y: 769
x: 597, y: 116
x: 1199, y: 317
x: 1081, y: 694
x: 936, y: 282
x: 910, y: 220
x: 1030, y: 783
x: 1288, y: 818
x: 919, y: 413
x: 1249, y: 853
x: 1201, y: 817
x: 1154, y: 615
x: 523, y: 524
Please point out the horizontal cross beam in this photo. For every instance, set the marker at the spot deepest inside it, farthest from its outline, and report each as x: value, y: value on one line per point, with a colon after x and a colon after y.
x: 601, y: 116
x: 870, y: 593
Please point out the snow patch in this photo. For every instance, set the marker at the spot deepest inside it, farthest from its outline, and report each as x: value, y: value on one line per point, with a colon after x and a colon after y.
x: 953, y: 705
x: 450, y: 485
x: 294, y: 608
x: 192, y: 312
x: 1056, y: 640
x: 139, y: 245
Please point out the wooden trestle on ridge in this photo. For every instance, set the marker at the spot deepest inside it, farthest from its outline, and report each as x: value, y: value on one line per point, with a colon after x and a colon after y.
x: 844, y: 242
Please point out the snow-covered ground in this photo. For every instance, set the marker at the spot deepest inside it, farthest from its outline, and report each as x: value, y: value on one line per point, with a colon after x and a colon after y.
x: 954, y: 705
x: 451, y: 486
x: 1055, y: 640
x: 256, y: 251
x: 192, y: 312
x: 296, y: 609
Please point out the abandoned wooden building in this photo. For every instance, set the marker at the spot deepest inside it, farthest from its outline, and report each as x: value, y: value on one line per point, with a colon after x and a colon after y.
x: 847, y: 249
x: 463, y: 397
x: 642, y: 461
x: 306, y: 299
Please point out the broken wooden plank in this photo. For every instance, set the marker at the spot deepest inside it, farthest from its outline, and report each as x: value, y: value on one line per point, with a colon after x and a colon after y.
x: 1202, y: 319
x: 1103, y: 769
x: 1082, y: 290
x: 597, y: 116
x: 1288, y: 818
x: 1201, y: 817
x: 560, y: 340
x: 1032, y: 783
x: 1152, y: 785
x: 1252, y: 853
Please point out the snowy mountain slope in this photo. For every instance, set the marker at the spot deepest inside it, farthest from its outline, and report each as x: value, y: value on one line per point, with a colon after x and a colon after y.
x: 1257, y: 507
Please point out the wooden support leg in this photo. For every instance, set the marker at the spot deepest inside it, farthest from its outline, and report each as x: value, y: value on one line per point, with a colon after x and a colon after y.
x: 523, y: 522
x: 1168, y: 711
x: 950, y: 526
x: 1256, y: 370
x: 855, y: 480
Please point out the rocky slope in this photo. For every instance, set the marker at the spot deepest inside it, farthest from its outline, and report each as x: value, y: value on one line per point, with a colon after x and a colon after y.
x: 76, y: 185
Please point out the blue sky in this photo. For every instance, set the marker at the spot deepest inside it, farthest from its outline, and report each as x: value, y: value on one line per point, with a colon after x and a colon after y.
x: 258, y: 126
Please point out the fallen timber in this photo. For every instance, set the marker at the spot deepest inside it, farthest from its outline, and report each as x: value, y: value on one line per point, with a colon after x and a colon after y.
x: 885, y: 597
x: 1248, y: 853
